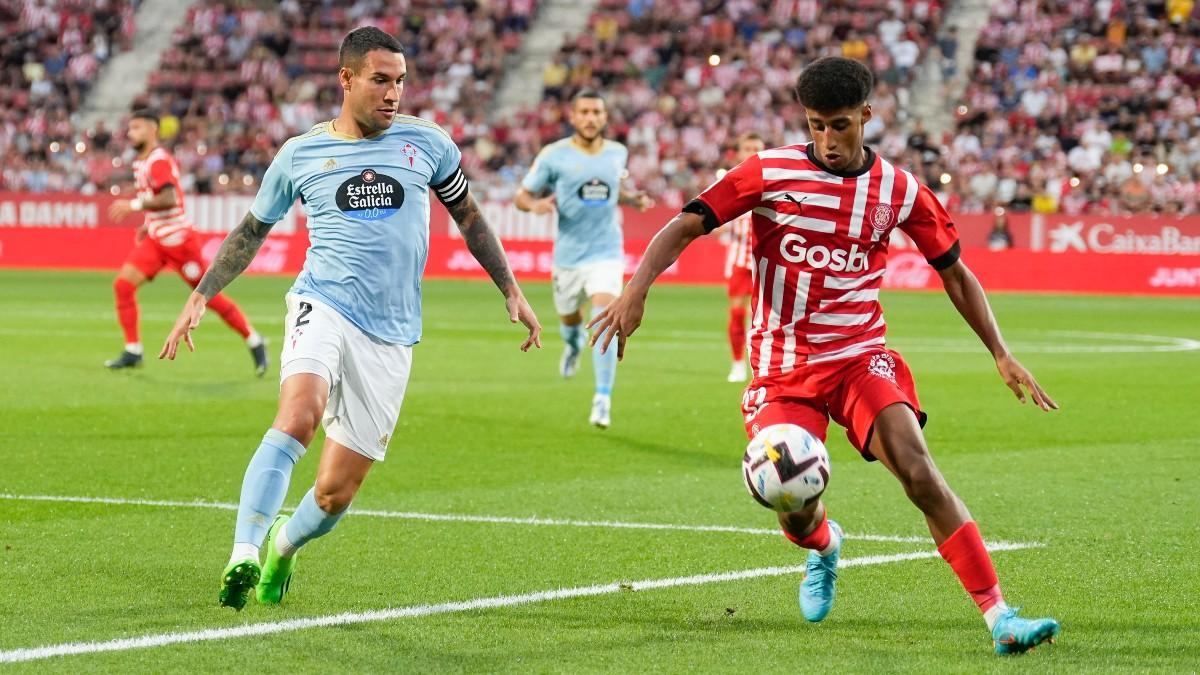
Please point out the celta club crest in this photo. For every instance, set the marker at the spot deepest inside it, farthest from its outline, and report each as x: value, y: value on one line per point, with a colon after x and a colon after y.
x: 410, y: 152
x: 883, y: 365
x: 368, y: 176
x: 882, y: 217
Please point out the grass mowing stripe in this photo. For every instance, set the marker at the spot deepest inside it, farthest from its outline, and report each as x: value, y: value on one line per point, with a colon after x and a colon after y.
x: 466, y: 518
x: 347, y: 618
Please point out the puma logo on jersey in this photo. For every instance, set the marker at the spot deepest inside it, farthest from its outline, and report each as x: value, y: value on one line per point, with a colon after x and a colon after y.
x: 799, y: 203
x: 792, y: 248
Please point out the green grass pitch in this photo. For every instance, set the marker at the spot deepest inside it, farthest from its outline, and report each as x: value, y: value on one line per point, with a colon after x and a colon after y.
x: 1107, y: 486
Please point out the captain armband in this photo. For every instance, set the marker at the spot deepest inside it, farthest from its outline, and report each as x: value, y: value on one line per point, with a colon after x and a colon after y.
x: 453, y: 190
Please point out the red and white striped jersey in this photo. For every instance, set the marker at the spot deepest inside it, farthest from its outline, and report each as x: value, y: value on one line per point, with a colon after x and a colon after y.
x: 820, y: 244
x: 738, y: 254
x: 168, y: 227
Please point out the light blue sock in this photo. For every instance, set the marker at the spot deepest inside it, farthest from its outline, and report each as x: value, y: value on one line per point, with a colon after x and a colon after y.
x: 572, y: 335
x: 308, y: 523
x: 265, y: 485
x: 604, y: 364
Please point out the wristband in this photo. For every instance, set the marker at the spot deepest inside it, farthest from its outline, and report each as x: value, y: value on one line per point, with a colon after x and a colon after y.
x: 135, y: 204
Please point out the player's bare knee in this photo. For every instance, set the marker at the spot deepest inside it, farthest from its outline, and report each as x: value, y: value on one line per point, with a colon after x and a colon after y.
x: 333, y: 499
x: 925, y: 487
x: 298, y: 421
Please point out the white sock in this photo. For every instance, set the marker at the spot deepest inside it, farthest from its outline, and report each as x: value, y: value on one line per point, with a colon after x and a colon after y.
x: 284, y: 546
x: 993, y: 614
x: 835, y: 540
x: 254, y: 339
x: 243, y: 551
x: 134, y: 348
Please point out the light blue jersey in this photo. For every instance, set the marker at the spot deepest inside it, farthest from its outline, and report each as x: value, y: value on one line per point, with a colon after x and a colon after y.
x: 367, y: 202
x: 586, y: 188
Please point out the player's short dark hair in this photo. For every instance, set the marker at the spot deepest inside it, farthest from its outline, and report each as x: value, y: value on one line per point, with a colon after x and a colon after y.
x: 144, y: 114
x: 586, y: 93
x: 359, y: 41
x: 751, y: 136
x: 834, y: 83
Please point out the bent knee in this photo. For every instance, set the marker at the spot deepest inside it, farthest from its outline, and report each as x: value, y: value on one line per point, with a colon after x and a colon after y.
x: 298, y: 421
x: 925, y: 486
x: 333, y: 499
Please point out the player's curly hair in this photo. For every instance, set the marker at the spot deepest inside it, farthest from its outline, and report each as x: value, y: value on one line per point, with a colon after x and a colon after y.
x: 359, y: 41
x: 834, y: 83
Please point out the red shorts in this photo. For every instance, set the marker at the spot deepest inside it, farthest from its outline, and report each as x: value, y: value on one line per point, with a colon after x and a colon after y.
x: 741, y: 282
x: 852, y: 391
x: 149, y: 257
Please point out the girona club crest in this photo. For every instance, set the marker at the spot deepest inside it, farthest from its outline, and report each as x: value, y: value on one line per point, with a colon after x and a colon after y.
x: 882, y: 217
x: 883, y: 365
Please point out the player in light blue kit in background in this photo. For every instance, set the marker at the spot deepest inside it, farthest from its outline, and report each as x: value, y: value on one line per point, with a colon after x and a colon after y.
x: 354, y: 312
x: 583, y: 174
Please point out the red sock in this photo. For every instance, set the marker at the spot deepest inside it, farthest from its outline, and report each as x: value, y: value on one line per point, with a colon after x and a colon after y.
x: 817, y: 540
x: 969, y: 559
x: 229, y: 311
x: 737, y: 332
x: 127, y: 309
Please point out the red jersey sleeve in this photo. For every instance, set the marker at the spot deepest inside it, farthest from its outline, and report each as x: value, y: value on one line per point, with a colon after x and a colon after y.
x: 161, y: 175
x: 930, y: 227
x: 735, y: 193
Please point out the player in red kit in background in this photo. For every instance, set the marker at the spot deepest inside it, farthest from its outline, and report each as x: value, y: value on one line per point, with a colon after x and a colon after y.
x: 739, y: 276
x: 822, y: 216
x: 166, y: 239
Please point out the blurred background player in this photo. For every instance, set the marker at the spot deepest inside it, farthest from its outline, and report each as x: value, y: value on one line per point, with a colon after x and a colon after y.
x: 354, y: 312
x: 823, y: 215
x: 166, y: 239
x: 739, y: 265
x: 583, y: 173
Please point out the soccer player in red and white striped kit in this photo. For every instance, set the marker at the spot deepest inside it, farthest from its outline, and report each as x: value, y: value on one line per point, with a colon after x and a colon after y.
x: 822, y: 216
x: 165, y: 239
x: 739, y: 264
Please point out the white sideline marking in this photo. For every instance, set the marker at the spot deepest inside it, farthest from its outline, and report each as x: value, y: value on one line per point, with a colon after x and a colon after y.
x: 465, y: 518
x: 347, y: 618
x: 1053, y: 342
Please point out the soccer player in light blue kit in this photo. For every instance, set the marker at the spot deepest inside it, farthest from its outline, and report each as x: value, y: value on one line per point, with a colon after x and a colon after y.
x: 583, y: 174
x: 355, y: 310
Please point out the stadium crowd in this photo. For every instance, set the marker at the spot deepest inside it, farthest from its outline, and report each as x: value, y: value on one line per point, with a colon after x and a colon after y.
x: 1071, y: 105
x: 1079, y: 106
x: 242, y: 76
x: 50, y: 54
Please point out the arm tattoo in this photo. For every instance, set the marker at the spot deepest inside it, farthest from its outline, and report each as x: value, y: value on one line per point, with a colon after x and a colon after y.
x: 234, y: 256
x: 482, y: 242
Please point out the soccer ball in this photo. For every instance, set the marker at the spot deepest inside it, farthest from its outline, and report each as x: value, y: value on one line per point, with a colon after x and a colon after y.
x: 785, y: 467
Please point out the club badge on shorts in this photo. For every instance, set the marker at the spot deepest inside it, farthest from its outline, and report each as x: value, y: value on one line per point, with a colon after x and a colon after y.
x: 883, y: 365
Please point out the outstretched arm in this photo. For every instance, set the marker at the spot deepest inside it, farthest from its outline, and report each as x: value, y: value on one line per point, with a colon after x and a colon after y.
x: 165, y: 199
x: 483, y: 243
x: 623, y: 316
x: 233, y: 257
x: 971, y: 302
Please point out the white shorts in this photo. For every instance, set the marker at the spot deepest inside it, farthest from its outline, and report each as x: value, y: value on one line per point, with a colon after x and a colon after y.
x: 574, y: 285
x: 366, y: 377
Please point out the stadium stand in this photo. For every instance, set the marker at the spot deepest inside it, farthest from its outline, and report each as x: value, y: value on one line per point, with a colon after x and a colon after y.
x: 242, y: 77
x: 1071, y: 106
x: 1079, y: 107
x: 684, y: 79
x: 49, y: 56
